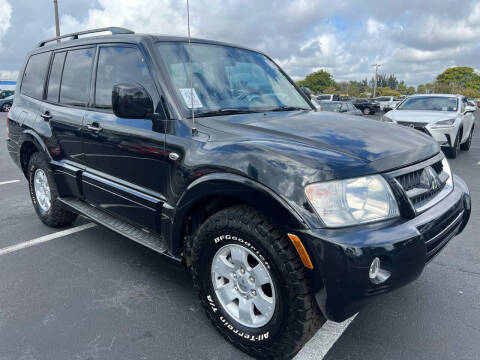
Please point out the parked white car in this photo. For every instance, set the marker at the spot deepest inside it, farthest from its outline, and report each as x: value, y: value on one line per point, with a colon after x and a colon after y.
x: 386, y: 102
x: 328, y: 97
x: 448, y: 119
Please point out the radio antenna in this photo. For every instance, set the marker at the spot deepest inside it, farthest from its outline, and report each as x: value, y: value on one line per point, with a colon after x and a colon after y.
x: 194, y: 129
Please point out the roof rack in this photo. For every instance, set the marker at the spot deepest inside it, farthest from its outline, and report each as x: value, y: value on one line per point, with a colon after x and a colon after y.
x: 73, y: 36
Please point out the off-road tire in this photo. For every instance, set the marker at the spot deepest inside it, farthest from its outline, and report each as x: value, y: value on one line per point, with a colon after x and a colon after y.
x: 296, y: 316
x: 466, y: 145
x: 56, y: 216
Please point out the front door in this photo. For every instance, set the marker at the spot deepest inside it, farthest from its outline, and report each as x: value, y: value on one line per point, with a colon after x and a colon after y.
x: 124, y: 157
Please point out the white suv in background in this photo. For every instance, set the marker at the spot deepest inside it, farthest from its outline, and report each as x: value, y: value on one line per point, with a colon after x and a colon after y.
x: 448, y: 119
x: 386, y: 102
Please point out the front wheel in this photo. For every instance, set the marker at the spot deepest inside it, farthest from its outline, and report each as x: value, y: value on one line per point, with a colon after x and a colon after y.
x: 466, y: 145
x: 366, y: 111
x: 252, y: 284
x: 453, y: 150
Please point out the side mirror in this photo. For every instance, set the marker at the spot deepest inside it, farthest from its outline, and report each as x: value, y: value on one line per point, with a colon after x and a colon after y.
x: 343, y: 110
x: 131, y: 101
x: 470, y: 109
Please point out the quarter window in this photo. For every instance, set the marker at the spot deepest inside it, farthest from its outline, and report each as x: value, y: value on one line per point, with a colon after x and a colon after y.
x: 55, y: 77
x: 117, y: 65
x: 76, y: 77
x: 34, y: 75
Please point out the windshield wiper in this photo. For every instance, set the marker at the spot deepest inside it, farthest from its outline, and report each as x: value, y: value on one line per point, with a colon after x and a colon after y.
x: 220, y: 112
x: 289, y: 108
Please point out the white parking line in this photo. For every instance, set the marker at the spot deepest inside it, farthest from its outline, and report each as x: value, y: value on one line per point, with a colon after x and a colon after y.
x: 9, y: 182
x: 323, y: 340
x: 56, y: 235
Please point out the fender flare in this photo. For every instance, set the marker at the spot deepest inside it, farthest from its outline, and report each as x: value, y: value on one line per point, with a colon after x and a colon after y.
x: 232, y: 185
x: 32, y: 137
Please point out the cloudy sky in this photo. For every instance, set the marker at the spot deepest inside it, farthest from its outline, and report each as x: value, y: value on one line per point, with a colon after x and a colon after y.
x: 414, y: 39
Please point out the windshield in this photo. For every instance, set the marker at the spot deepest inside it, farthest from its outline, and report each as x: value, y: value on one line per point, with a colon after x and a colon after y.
x: 228, y: 78
x: 331, y: 106
x: 432, y: 103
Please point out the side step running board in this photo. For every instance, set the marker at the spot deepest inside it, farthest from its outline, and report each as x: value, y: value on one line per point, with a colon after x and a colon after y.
x: 152, y: 241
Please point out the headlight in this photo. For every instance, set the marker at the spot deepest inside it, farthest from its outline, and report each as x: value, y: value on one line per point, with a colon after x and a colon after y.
x: 352, y: 201
x: 444, y: 123
x: 446, y: 168
x: 385, y: 118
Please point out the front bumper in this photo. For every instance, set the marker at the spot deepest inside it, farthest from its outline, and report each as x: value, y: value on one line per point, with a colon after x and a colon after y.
x: 444, y: 136
x: 342, y: 257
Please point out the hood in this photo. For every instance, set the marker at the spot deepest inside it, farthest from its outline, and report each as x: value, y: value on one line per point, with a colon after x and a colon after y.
x: 421, y: 116
x: 382, y: 146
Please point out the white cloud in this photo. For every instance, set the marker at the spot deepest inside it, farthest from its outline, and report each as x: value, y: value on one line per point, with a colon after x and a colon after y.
x: 375, y: 27
x: 5, y: 15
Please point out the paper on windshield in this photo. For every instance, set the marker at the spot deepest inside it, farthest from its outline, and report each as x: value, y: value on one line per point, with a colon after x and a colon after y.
x: 187, y: 97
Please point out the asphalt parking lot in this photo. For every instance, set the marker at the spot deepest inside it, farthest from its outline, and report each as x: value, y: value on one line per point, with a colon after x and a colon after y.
x: 96, y: 295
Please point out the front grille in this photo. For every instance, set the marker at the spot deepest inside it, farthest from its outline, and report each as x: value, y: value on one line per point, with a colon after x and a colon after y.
x: 415, y: 125
x: 439, y: 232
x: 417, y: 191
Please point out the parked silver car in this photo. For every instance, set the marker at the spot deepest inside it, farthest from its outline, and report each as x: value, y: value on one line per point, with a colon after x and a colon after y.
x: 447, y: 118
x: 345, y: 107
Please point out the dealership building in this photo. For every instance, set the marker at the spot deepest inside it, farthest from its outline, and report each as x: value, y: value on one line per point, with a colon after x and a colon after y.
x: 7, y: 84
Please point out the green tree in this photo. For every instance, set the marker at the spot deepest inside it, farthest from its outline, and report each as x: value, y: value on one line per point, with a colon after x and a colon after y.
x: 317, y: 81
x: 402, y: 88
x: 460, y: 77
x: 387, y: 91
x: 410, y: 90
x: 470, y: 93
x: 421, y: 89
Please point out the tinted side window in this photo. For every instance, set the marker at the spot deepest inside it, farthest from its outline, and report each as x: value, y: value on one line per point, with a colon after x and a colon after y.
x: 55, y: 77
x: 76, y: 77
x: 34, y: 75
x: 116, y: 65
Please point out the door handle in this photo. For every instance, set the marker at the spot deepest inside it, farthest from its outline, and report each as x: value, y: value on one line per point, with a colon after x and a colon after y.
x: 46, y: 115
x: 94, y: 127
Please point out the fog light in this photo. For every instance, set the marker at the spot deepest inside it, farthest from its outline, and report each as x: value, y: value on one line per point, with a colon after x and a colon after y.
x: 376, y: 274
x: 374, y: 269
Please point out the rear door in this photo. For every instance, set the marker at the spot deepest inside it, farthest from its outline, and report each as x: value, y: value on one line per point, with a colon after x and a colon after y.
x: 125, y: 158
x: 66, y: 98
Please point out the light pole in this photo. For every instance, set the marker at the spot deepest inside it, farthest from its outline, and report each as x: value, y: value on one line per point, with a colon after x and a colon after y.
x: 57, y: 25
x: 376, y: 77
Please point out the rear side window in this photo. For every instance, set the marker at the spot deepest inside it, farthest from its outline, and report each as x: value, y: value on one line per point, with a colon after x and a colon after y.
x: 117, y: 65
x: 55, y: 77
x: 34, y: 75
x: 76, y: 77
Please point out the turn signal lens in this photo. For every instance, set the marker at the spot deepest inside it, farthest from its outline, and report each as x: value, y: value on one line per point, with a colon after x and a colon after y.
x: 301, y: 251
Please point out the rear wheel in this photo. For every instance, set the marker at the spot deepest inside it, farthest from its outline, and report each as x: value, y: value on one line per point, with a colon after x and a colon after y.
x: 6, y: 107
x: 252, y: 284
x: 366, y: 111
x: 466, y: 145
x: 43, y: 192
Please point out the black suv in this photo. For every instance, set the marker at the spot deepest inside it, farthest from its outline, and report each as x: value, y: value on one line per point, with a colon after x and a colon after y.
x: 366, y: 106
x: 209, y: 153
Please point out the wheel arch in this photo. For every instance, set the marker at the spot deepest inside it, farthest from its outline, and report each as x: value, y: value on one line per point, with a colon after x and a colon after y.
x: 212, y: 193
x: 30, y: 143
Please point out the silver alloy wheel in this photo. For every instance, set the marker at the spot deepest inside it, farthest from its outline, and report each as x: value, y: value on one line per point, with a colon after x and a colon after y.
x: 42, y: 190
x: 243, y: 285
x: 7, y: 107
